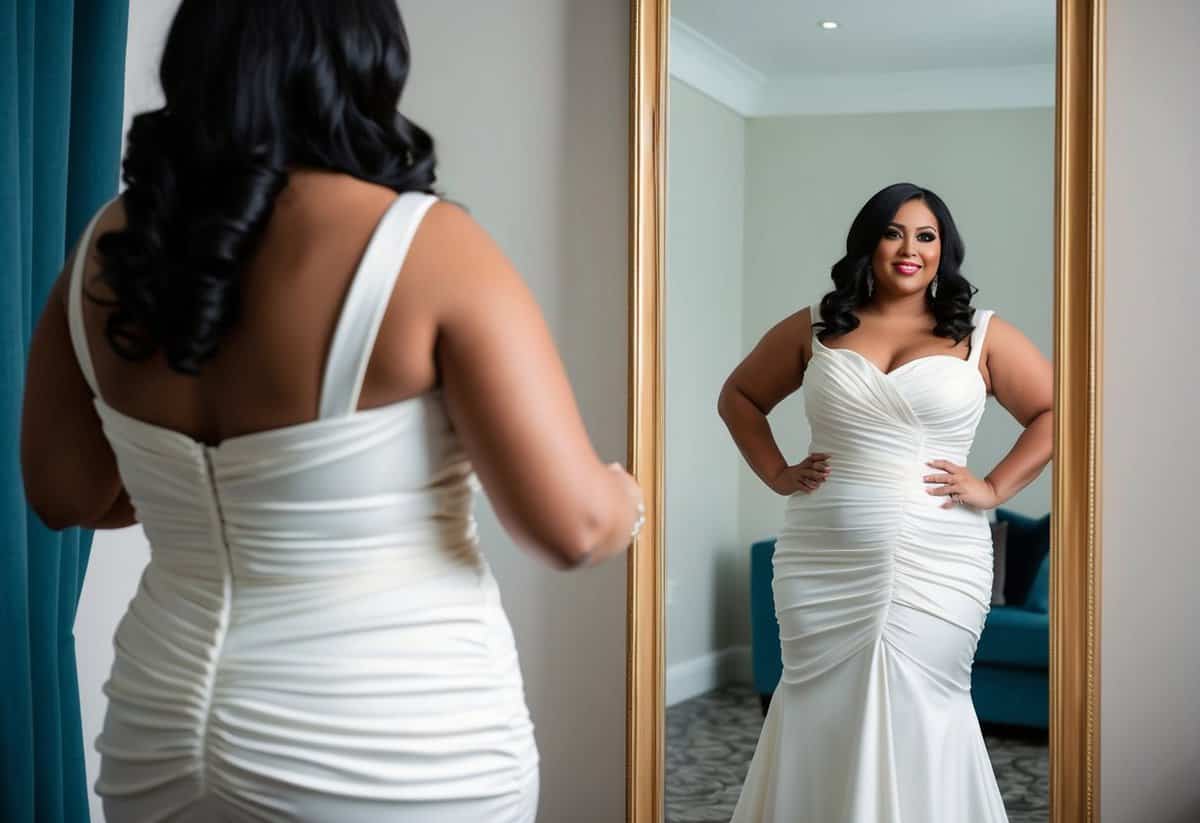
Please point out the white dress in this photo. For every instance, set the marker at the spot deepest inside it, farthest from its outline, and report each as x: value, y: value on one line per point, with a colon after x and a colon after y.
x: 881, y: 595
x: 316, y: 636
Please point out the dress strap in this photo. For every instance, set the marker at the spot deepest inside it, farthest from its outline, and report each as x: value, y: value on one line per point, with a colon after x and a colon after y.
x: 366, y: 300
x: 78, y: 333
x: 981, y: 318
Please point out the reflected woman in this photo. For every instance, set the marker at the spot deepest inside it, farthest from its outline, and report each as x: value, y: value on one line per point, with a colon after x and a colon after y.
x: 883, y: 566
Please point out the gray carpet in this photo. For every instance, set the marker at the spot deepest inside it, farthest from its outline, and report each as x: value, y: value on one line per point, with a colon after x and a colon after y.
x: 711, y: 738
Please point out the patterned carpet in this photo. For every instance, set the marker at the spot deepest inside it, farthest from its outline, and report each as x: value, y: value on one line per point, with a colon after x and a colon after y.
x: 711, y: 738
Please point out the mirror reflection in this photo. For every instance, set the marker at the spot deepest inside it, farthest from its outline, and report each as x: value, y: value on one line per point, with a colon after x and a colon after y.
x: 859, y: 324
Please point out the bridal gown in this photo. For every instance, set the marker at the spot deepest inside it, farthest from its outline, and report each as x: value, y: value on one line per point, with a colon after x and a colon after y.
x: 881, y: 595
x: 316, y: 636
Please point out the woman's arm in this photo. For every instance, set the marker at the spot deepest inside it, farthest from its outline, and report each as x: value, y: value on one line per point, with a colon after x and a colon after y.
x: 509, y: 399
x: 769, y: 373
x: 68, y: 467
x: 121, y: 515
x: 1022, y: 380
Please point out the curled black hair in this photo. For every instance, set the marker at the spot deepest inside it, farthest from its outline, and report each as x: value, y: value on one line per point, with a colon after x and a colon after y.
x: 253, y: 89
x: 952, y: 304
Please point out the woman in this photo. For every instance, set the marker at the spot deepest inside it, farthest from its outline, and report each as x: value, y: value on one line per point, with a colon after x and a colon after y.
x: 883, y: 566
x: 291, y: 362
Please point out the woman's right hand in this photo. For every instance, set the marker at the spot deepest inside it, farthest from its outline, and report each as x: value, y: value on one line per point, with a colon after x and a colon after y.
x: 804, y: 477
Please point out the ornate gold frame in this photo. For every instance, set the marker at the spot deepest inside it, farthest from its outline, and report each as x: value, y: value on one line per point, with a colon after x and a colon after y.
x: 1075, y: 567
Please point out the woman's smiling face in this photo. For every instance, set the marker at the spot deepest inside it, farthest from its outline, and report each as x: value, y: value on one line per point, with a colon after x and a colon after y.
x: 909, y: 252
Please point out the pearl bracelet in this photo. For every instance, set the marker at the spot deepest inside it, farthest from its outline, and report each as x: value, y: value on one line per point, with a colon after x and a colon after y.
x: 641, y: 521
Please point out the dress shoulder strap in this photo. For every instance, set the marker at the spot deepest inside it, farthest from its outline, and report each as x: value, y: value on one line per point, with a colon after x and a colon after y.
x: 981, y: 319
x: 366, y: 300
x: 816, y: 316
x: 75, y: 304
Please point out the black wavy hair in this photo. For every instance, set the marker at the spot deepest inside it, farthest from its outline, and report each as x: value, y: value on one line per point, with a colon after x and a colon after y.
x: 952, y: 305
x: 253, y: 89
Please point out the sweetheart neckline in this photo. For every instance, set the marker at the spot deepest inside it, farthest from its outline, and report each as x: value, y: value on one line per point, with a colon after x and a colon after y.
x: 895, y: 369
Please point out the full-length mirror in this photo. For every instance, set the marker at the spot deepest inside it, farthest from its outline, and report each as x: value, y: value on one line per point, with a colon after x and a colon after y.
x: 857, y: 343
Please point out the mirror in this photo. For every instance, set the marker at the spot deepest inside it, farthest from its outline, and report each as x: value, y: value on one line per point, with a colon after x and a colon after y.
x: 900, y: 644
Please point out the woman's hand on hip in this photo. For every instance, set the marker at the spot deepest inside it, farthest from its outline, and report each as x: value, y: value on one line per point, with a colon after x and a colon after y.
x: 957, y: 483
x: 804, y: 477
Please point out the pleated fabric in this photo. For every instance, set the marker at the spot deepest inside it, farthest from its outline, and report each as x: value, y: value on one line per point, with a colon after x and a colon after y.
x: 317, y: 636
x: 881, y: 596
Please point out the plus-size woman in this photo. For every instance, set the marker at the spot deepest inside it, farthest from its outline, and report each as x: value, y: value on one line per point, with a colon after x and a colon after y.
x: 883, y: 565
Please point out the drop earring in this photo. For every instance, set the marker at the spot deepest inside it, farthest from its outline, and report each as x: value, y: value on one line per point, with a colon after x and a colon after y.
x: 870, y: 281
x: 934, y: 286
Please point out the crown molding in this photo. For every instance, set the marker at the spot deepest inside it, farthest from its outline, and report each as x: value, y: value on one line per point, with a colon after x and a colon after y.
x: 702, y: 64
x: 1005, y: 87
x: 708, y: 68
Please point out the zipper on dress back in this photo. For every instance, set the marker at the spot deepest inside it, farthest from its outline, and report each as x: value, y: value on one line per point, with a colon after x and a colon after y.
x: 225, y: 563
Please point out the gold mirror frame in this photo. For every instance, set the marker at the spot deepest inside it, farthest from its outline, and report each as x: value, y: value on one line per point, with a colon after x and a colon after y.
x: 1075, y: 563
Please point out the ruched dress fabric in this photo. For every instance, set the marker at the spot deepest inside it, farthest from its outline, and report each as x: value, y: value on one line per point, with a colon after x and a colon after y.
x: 881, y: 596
x: 316, y: 636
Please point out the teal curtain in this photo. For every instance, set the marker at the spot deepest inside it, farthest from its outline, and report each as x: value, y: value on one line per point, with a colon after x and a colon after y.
x: 62, y: 87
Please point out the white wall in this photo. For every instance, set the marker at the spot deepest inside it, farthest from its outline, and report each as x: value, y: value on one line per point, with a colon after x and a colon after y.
x: 799, y: 181
x: 807, y: 177
x: 1149, y: 612
x: 529, y: 103
x: 707, y: 568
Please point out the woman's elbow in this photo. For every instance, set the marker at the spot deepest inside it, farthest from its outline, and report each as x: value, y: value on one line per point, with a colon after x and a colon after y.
x: 567, y: 535
x: 58, y: 511
x: 43, y: 495
x: 725, y: 400
x: 54, y: 517
x: 572, y: 544
x: 1043, y: 417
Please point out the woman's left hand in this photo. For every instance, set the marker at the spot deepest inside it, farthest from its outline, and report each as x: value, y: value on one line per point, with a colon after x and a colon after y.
x: 960, y: 486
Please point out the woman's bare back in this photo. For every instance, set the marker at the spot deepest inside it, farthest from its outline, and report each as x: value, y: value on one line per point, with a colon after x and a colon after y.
x: 267, y: 372
x: 459, y: 319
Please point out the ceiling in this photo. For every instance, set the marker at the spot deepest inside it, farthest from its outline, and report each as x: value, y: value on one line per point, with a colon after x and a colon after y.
x: 778, y: 38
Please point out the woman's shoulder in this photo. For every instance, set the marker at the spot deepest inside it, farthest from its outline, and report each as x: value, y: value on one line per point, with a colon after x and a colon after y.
x: 112, y: 213
x: 795, y: 331
x: 455, y: 260
x: 109, y: 217
x: 999, y: 335
x: 811, y: 322
x: 999, y: 329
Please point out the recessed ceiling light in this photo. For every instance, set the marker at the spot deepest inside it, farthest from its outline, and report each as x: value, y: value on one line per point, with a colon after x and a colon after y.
x: 829, y: 25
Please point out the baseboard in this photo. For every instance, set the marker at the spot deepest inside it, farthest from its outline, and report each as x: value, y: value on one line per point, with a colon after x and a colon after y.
x: 694, y: 677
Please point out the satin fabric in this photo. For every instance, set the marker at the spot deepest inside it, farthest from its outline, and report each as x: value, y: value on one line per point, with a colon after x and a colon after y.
x: 317, y: 636
x: 881, y: 596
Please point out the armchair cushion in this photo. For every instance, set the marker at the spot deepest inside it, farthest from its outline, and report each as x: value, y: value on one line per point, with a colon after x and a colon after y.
x: 1028, y: 542
x: 1015, y: 636
x: 1038, y: 599
x: 764, y: 628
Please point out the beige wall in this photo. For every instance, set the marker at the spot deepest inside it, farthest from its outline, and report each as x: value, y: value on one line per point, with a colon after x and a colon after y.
x: 1150, y: 611
x: 529, y: 103
x: 707, y: 570
x: 807, y: 176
